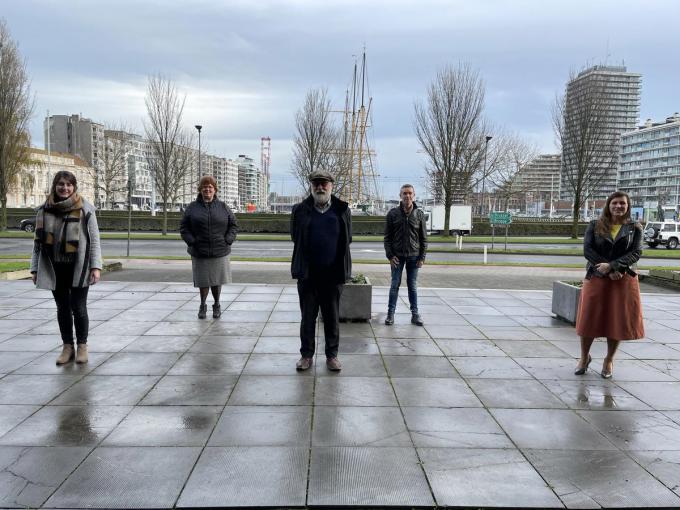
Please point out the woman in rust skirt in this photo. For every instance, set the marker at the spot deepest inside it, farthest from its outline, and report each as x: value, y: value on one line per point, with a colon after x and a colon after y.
x: 610, y: 304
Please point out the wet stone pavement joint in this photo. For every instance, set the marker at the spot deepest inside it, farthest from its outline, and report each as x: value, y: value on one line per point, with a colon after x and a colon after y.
x: 480, y: 408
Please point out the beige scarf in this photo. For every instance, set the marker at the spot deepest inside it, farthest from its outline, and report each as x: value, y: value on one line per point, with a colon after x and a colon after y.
x: 70, y: 210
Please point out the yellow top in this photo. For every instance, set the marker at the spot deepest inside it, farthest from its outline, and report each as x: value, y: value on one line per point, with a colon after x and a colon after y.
x: 615, y: 230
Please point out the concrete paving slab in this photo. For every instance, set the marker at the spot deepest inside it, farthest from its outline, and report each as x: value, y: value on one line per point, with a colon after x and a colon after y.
x: 482, y: 478
x: 367, y: 476
x: 248, y: 476
x: 127, y: 477
x: 597, y: 479
x: 263, y: 426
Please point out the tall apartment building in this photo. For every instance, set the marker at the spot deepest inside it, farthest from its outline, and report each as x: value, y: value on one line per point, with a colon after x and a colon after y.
x: 73, y: 134
x: 250, y: 183
x: 230, y: 187
x: 649, y: 168
x: 32, y: 185
x: 620, y: 92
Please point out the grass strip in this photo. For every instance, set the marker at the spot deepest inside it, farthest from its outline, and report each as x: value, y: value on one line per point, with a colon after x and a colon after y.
x: 6, y: 267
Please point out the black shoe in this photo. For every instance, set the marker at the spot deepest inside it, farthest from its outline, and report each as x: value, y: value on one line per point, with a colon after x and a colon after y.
x: 415, y: 319
x: 217, y: 311
x: 202, y: 311
x: 389, y: 320
x: 582, y: 370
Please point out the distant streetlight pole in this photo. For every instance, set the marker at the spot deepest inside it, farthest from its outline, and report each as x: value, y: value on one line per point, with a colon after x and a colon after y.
x: 486, y: 147
x: 199, y: 127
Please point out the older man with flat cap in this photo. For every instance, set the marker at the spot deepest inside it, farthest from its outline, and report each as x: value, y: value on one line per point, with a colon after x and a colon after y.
x: 321, y: 229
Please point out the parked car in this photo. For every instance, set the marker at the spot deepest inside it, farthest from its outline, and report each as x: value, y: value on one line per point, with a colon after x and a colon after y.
x: 27, y: 225
x: 664, y: 233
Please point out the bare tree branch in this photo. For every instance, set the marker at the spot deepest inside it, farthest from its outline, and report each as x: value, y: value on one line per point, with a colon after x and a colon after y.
x: 165, y: 137
x: 113, y: 177
x: 448, y: 127
x: 318, y: 142
x: 583, y: 121
x: 16, y: 108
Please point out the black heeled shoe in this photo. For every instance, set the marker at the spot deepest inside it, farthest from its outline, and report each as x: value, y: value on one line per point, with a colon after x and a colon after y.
x: 582, y: 370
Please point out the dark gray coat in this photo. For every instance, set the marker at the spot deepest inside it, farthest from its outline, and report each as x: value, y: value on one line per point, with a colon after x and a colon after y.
x: 208, y: 228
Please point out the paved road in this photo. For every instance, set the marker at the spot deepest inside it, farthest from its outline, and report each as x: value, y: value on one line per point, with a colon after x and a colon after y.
x: 469, y: 277
x: 360, y: 251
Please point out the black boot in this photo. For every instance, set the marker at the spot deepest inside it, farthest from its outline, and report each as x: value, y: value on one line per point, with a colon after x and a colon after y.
x: 217, y: 311
x: 202, y: 311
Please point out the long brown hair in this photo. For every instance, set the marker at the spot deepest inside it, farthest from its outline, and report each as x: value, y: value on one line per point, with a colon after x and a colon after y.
x: 604, y: 222
x: 68, y: 177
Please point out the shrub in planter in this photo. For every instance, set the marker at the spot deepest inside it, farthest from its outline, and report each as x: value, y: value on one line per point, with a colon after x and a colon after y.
x: 355, y: 302
x: 565, y: 298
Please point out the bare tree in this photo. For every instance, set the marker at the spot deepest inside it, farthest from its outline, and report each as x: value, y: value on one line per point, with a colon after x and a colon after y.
x: 447, y: 127
x: 16, y: 108
x: 165, y: 139
x: 318, y: 143
x: 584, y: 124
x: 113, y: 178
x: 510, y: 155
x: 185, y: 164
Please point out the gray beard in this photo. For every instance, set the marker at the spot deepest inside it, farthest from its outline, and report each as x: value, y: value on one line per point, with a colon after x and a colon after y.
x: 321, y: 198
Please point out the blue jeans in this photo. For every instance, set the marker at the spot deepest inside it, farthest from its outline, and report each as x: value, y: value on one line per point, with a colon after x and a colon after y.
x: 411, y: 277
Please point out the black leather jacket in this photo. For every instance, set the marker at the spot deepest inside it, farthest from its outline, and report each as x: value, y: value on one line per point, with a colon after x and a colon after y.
x: 208, y: 228
x: 405, y: 236
x: 621, y: 253
x: 299, y: 232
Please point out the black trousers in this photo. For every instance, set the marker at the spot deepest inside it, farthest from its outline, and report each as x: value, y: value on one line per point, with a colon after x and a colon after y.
x: 318, y: 294
x: 71, y: 305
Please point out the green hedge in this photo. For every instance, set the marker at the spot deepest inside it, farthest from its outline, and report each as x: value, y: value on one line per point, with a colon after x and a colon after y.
x: 279, y: 223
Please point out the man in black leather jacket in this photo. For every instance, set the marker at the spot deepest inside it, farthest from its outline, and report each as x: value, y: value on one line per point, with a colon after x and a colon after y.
x: 321, y: 230
x: 405, y: 245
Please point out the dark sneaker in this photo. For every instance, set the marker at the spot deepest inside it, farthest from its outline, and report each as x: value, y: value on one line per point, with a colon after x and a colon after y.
x: 415, y: 319
x: 303, y: 364
x: 203, y: 311
x: 389, y: 320
x: 333, y: 364
x: 217, y: 311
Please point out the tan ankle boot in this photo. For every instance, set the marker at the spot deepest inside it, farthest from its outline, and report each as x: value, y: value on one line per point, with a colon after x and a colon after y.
x: 81, y: 357
x: 67, y: 354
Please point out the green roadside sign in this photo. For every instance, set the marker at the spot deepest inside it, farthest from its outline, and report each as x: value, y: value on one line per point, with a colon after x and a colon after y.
x: 500, y: 218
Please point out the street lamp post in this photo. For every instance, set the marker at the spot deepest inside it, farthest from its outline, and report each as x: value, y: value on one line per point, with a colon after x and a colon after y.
x: 199, y: 127
x: 486, y: 146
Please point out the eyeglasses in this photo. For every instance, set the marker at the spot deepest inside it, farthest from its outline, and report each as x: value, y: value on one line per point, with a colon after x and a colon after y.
x: 320, y: 182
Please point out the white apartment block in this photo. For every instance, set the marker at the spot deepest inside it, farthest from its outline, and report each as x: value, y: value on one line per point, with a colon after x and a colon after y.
x: 622, y: 99
x: 649, y: 167
x: 250, y: 184
x: 32, y: 185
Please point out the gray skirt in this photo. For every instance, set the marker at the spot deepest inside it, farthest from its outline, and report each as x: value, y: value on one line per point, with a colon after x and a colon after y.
x: 209, y: 272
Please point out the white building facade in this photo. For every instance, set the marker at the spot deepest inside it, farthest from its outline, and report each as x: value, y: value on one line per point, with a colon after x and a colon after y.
x: 649, y: 167
x: 32, y: 185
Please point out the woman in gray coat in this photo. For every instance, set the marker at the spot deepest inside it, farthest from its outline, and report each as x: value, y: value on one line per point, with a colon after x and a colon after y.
x: 67, y: 259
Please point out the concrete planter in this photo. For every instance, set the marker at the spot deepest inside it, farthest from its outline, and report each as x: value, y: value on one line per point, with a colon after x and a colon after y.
x: 355, y: 302
x: 565, y: 298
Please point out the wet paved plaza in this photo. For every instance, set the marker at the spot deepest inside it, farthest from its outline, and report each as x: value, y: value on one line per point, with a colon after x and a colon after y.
x: 478, y: 408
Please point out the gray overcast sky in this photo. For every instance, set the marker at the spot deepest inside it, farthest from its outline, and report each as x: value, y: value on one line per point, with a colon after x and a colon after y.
x: 246, y: 65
